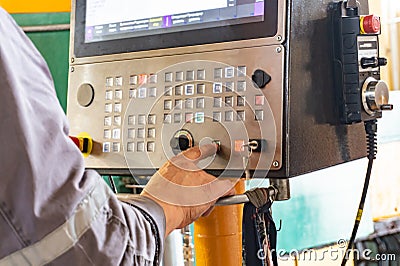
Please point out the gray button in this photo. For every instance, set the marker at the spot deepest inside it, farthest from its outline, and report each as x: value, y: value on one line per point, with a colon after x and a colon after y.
x: 152, y: 92
x: 201, y: 88
x: 151, y: 146
x: 140, y: 133
x: 240, y: 116
x: 108, y: 108
x: 131, y: 133
x: 167, y: 118
x: 178, y: 104
x: 117, y: 120
x: 179, y: 76
x: 116, y: 147
x: 151, y: 133
x: 141, y: 119
x: 229, y: 86
x: 107, y: 121
x: 200, y: 103
x: 168, y: 91
x: 132, y: 93
x: 142, y: 92
x: 241, y: 86
x: 130, y: 147
x: 241, y: 71
x: 133, y: 80
x: 107, y: 134
x: 217, y: 102
x: 116, y: 133
x: 153, y: 78
x: 179, y: 90
x: 118, y: 81
x: 140, y: 146
x: 229, y: 116
x: 217, y: 116
x: 241, y: 101
x: 189, y: 103
x: 259, y: 115
x: 218, y: 73
x: 167, y: 104
x: 109, y: 82
x: 229, y: 101
x: 168, y: 77
x: 201, y: 74
x: 118, y: 108
x: 131, y: 120
x: 177, y: 118
x: 151, y: 120
x: 118, y: 94
x: 109, y: 95
x: 189, y: 75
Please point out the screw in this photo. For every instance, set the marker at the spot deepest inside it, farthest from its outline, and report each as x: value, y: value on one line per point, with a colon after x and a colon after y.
x: 278, y: 49
x: 275, y: 164
x: 72, y: 59
x: 72, y: 69
x: 279, y: 38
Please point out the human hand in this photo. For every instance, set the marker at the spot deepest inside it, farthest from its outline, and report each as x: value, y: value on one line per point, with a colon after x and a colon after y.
x: 183, y: 190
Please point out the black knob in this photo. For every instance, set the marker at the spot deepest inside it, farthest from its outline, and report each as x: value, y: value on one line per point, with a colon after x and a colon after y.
x: 182, y: 140
x: 367, y: 62
x: 260, y: 78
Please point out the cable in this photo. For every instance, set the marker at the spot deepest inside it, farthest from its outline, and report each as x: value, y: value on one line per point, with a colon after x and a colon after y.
x: 370, y: 130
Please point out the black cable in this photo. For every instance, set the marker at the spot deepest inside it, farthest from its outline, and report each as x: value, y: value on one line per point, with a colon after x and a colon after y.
x: 370, y: 130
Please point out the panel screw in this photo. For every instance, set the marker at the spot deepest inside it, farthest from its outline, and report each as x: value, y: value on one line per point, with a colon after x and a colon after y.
x: 275, y: 164
x: 278, y: 49
x: 72, y: 59
x: 279, y: 38
x: 72, y: 69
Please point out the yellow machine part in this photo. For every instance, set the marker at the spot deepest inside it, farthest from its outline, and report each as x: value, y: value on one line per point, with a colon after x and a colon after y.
x: 41, y: 6
x: 218, y: 237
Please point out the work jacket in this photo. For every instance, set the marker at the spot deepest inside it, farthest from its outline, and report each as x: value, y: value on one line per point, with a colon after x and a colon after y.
x: 53, y: 211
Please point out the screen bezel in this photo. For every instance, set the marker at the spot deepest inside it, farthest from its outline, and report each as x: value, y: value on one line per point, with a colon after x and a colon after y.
x: 236, y: 32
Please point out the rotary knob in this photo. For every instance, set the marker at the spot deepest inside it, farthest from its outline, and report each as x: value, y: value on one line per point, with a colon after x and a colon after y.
x: 375, y: 96
x: 181, y: 141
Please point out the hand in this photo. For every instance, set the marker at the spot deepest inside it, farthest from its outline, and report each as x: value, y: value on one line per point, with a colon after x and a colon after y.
x: 184, y: 191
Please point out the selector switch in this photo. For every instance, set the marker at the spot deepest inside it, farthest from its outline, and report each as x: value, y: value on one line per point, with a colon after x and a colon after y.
x: 261, y: 78
x: 181, y: 141
x: 373, y: 62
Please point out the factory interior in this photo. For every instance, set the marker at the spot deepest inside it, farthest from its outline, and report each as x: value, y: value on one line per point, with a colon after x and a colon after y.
x: 299, y: 97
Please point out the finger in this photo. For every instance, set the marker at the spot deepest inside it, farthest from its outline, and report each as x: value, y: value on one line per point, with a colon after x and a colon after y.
x: 199, y: 153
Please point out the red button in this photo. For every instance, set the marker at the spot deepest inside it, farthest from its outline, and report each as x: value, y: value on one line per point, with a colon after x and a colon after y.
x: 371, y: 24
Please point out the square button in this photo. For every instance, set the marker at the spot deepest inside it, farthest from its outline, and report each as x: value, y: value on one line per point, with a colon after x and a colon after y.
x: 178, y: 104
x: 167, y: 118
x: 167, y: 104
x: 259, y: 115
x: 106, y: 146
x: 142, y: 91
x: 179, y: 90
x: 241, y: 86
x: 229, y: 86
x: 239, y: 145
x: 108, y: 108
x: 189, y: 75
x: 201, y: 88
x: 151, y: 119
x: 140, y: 133
x: 201, y: 74
x: 229, y: 116
x: 118, y: 81
x: 218, y: 73
x: 240, y: 116
x: 217, y: 87
x: 217, y: 116
x: 117, y: 120
x: 109, y: 95
x: 189, y: 117
x: 130, y: 147
x: 107, y: 134
x: 229, y: 101
x: 141, y: 119
x: 241, y: 71
x: 152, y: 92
x: 241, y: 101
x: 177, y: 118
x: 151, y: 146
x: 200, y: 103
x: 189, y: 89
x: 217, y: 102
x: 153, y: 78
x: 140, y: 146
x: 189, y: 103
x: 168, y: 91
x: 131, y: 120
x: 118, y: 94
x: 229, y: 72
x: 131, y: 133
x: 133, y: 80
x: 143, y: 79
x: 107, y: 121
x: 259, y: 99
x: 179, y: 76
x: 132, y: 93
x: 118, y: 108
x: 116, y: 133
x: 168, y: 77
x: 151, y: 133
x: 116, y: 147
x: 199, y: 118
x: 109, y: 82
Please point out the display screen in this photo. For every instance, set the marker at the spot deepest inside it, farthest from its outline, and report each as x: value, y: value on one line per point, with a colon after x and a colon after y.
x: 110, y: 19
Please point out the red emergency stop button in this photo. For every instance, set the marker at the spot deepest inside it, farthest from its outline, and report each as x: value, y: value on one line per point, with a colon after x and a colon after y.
x: 370, y: 24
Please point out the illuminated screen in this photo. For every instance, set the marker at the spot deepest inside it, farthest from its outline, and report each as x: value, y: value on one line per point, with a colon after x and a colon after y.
x: 110, y: 20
